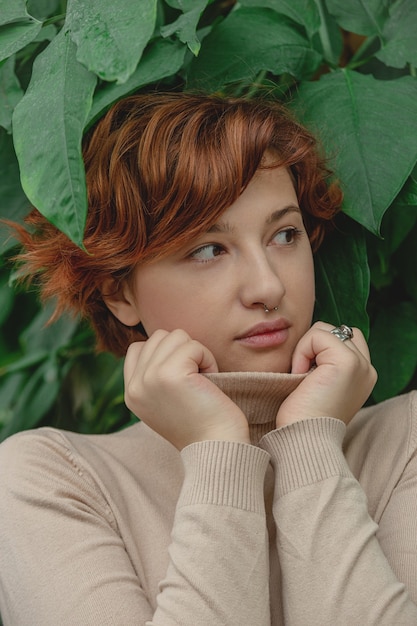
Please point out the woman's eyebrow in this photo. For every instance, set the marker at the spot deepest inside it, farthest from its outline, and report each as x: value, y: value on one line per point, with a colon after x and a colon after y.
x: 226, y: 227
x: 221, y: 227
x: 280, y: 213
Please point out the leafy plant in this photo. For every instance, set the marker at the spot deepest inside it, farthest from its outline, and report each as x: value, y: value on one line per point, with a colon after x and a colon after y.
x: 348, y: 69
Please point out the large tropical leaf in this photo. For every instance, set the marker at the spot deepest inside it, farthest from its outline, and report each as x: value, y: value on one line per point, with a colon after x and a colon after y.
x: 10, y: 93
x: 14, y: 205
x: 399, y: 39
x: 17, y: 27
x: 186, y: 25
x: 304, y: 12
x: 162, y: 58
x: 365, y: 125
x: 48, y: 125
x: 250, y: 40
x: 364, y: 17
x: 42, y: 9
x: 110, y: 41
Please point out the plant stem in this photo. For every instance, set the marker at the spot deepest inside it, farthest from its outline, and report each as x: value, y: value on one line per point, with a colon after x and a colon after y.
x: 54, y: 19
x: 357, y: 58
x: 324, y: 33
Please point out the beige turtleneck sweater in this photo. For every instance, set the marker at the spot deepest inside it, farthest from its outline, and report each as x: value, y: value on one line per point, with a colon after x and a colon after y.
x: 312, y: 525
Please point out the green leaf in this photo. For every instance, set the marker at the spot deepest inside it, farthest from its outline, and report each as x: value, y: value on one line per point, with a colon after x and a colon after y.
x: 10, y: 93
x: 35, y: 398
x: 393, y: 347
x: 96, y: 401
x: 365, y: 126
x: 414, y: 174
x: 363, y: 17
x: 408, y: 194
x: 10, y: 387
x: 6, y: 299
x: 23, y: 363
x: 49, y: 151
x: 406, y: 261
x: 160, y: 59
x: 398, y: 222
x: 342, y: 278
x: 110, y: 39
x: 401, y: 216
x: 40, y: 337
x: 399, y: 35
x: 44, y: 8
x: 14, y: 204
x: 17, y: 27
x: 12, y: 11
x: 47, y: 33
x: 304, y: 12
x: 181, y: 5
x: 247, y: 41
x: 186, y: 25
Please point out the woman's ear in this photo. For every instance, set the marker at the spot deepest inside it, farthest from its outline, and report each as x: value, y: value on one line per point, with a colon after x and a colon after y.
x: 120, y: 301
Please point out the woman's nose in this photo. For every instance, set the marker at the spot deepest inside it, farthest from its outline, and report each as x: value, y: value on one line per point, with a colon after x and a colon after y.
x: 261, y: 283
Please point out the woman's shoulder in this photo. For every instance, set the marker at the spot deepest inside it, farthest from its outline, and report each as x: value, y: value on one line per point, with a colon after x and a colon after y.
x: 33, y: 449
x: 49, y: 457
x: 392, y: 421
x: 380, y: 442
x: 42, y: 470
x: 38, y: 447
x: 36, y: 444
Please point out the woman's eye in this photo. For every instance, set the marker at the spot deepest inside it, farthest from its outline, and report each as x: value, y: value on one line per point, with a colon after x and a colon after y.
x: 207, y: 252
x: 287, y: 236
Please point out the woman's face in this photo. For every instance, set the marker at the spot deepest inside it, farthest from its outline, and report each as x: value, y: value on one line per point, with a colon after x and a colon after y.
x: 215, y: 288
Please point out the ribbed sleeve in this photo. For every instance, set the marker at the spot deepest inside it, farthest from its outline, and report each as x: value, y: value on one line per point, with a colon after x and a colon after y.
x: 306, y: 452
x: 224, y: 473
x: 220, y: 512
x: 326, y: 541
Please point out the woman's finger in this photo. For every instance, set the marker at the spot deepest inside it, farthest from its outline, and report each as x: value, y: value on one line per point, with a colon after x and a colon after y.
x: 317, y: 339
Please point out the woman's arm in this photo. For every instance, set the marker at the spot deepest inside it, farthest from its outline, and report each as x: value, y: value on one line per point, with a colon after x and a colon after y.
x: 219, y: 568
x: 218, y: 572
x: 334, y: 570
x: 63, y: 560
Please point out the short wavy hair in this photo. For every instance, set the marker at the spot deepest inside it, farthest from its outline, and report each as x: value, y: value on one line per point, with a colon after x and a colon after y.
x: 161, y: 168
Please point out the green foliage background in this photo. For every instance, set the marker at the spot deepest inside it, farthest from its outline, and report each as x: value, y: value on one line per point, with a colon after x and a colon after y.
x: 347, y: 68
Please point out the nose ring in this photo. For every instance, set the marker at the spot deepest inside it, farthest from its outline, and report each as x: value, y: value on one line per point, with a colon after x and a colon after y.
x: 275, y: 308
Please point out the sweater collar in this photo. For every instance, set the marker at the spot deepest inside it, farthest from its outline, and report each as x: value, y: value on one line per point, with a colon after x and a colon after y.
x: 258, y: 394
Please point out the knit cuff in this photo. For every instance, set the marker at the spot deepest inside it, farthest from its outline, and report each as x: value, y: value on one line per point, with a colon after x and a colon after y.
x: 224, y: 473
x: 306, y: 452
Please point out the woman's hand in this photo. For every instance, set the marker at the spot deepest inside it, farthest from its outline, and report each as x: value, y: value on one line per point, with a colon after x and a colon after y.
x: 340, y: 382
x: 165, y: 389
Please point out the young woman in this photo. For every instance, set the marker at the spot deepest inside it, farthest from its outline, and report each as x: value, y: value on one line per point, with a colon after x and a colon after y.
x: 254, y: 490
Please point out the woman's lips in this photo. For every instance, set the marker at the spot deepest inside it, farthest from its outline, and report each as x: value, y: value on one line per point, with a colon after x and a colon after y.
x: 266, y: 334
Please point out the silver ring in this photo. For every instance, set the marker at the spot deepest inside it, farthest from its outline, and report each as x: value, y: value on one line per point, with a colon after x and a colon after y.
x: 343, y: 332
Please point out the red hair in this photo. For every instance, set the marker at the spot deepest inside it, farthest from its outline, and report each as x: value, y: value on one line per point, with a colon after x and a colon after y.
x: 160, y: 169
